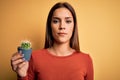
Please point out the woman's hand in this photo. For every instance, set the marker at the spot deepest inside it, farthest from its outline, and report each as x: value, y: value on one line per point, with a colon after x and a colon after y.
x: 19, y: 65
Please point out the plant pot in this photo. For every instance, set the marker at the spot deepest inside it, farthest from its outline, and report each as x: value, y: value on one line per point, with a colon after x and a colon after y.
x: 27, y: 53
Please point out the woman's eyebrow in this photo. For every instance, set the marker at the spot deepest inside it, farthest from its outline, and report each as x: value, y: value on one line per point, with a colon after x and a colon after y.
x: 68, y: 17
x: 59, y: 18
x: 55, y: 17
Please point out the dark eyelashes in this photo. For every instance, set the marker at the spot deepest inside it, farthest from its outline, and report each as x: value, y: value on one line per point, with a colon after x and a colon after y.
x: 57, y: 21
x: 68, y: 21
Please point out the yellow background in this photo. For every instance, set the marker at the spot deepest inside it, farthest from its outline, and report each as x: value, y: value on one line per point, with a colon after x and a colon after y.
x: 99, y: 32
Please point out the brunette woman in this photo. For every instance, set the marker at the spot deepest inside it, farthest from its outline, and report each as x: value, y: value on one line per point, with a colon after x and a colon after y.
x: 61, y: 58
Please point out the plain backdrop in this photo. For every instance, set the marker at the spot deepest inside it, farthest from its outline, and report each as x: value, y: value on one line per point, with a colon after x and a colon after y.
x: 99, y: 32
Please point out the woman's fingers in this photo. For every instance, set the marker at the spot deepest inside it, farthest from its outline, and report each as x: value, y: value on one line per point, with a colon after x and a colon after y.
x: 17, y: 56
x: 18, y: 63
x: 21, y: 65
x: 16, y: 59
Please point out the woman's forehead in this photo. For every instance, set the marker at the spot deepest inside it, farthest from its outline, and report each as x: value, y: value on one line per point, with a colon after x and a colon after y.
x: 62, y: 12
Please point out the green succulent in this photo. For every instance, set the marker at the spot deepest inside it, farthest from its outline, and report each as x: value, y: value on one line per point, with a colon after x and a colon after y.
x: 25, y: 44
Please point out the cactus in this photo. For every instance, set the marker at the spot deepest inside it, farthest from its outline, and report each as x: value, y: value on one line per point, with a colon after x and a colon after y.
x: 25, y: 44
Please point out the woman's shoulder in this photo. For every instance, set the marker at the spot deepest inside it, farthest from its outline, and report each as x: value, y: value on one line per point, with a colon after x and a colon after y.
x: 84, y: 55
x: 38, y: 52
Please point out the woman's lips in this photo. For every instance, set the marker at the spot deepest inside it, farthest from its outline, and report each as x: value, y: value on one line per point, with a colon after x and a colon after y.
x: 62, y: 34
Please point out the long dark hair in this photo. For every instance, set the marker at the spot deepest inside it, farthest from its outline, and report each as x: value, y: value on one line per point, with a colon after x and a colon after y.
x: 74, y: 42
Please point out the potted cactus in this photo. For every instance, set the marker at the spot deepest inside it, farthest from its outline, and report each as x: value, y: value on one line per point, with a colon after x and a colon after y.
x: 26, y: 44
x: 26, y: 49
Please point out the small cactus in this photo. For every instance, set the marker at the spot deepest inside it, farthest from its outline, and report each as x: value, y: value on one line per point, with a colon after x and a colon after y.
x: 25, y: 44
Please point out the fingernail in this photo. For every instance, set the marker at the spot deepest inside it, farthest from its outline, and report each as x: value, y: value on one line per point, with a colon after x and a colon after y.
x: 23, y: 59
x: 23, y: 55
x: 20, y: 51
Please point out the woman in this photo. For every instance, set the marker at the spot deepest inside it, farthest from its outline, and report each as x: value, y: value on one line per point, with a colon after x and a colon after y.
x: 61, y: 58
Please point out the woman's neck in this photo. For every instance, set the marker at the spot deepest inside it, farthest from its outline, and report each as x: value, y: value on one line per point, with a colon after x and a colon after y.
x: 61, y: 49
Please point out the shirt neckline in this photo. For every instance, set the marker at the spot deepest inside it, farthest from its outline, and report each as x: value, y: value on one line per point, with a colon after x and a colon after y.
x: 50, y: 54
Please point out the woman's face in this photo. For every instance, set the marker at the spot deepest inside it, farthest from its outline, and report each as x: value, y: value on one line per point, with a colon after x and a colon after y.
x: 62, y: 25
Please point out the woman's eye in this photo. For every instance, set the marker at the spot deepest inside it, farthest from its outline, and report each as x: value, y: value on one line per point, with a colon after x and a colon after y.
x: 55, y: 21
x: 68, y: 21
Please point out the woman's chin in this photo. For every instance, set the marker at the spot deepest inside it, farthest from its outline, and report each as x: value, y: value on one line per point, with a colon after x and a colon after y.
x: 62, y: 41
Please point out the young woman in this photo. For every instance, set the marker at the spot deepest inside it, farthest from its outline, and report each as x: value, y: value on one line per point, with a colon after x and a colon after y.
x: 61, y: 58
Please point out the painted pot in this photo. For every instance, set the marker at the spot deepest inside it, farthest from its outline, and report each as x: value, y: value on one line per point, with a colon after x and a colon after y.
x: 27, y: 53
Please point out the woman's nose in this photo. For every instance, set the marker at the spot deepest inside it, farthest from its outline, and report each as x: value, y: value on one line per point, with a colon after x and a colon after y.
x: 61, y: 28
x: 62, y: 25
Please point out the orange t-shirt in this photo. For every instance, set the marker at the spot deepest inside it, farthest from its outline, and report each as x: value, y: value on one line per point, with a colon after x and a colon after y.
x: 45, y: 66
